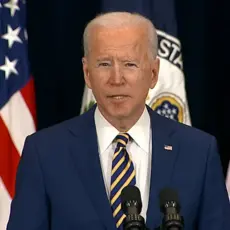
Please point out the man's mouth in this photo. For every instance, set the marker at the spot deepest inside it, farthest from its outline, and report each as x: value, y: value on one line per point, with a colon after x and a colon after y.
x: 118, y: 97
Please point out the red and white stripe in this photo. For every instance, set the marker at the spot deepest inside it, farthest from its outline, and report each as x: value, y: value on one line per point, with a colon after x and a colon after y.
x: 17, y: 121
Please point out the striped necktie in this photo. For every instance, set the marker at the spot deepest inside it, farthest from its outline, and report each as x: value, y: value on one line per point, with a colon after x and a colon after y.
x: 123, y: 174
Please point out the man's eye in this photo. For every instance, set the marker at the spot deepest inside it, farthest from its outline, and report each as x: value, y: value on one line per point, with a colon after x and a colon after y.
x: 129, y: 64
x: 104, y: 64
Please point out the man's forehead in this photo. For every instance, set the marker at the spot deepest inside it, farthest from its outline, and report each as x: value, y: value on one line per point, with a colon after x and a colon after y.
x: 118, y: 44
x: 124, y: 44
x: 128, y: 50
x: 120, y: 34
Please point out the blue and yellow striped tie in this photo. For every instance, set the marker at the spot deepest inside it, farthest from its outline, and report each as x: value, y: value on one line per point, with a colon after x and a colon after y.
x: 123, y: 174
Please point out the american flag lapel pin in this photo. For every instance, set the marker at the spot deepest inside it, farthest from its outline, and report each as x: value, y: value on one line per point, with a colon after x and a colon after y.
x: 168, y: 147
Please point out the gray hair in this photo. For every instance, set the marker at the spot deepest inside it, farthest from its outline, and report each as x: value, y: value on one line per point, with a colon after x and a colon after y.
x: 116, y: 19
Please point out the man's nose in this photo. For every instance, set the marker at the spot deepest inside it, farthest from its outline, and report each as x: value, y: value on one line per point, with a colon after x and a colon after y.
x: 117, y: 76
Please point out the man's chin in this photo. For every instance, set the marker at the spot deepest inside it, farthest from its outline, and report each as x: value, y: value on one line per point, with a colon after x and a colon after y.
x: 117, y: 112
x: 120, y: 114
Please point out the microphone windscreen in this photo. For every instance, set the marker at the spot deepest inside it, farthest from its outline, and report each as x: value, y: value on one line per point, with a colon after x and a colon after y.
x: 167, y: 195
x: 130, y: 195
x: 130, y: 192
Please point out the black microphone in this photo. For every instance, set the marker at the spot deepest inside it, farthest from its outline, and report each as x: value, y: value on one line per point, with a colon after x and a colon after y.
x: 131, y: 206
x: 170, y: 207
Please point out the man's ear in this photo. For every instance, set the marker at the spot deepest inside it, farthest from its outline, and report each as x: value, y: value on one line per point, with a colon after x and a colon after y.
x: 86, y: 72
x: 155, y: 72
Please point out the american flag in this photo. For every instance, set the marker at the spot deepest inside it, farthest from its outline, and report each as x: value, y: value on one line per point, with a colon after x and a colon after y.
x: 17, y: 104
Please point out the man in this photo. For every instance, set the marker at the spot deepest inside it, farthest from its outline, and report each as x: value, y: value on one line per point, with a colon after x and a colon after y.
x: 71, y: 175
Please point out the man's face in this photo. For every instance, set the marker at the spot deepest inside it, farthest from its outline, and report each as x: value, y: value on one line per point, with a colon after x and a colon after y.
x: 119, y: 70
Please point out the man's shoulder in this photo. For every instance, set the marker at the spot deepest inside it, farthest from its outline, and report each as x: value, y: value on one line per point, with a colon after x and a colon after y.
x: 186, y: 132
x: 62, y: 129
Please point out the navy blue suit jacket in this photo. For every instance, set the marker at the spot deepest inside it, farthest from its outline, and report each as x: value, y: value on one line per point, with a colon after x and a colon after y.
x: 60, y: 184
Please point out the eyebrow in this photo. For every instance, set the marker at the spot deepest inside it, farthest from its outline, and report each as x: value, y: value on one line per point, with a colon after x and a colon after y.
x: 129, y: 60
x: 103, y: 59
x: 123, y: 59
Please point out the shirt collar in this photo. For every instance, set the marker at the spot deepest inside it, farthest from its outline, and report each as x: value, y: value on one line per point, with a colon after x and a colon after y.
x: 140, y: 132
x: 106, y: 133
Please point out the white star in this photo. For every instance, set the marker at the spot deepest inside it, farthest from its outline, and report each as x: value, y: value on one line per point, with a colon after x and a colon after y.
x: 0, y: 5
x: 174, y: 111
x: 9, y: 67
x: 12, y: 36
x: 12, y: 5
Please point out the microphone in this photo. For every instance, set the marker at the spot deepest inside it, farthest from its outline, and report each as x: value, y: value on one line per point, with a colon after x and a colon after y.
x: 170, y: 207
x: 131, y: 206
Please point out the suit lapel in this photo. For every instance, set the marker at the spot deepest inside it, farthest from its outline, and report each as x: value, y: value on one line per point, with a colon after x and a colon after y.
x: 164, y: 155
x: 85, y: 155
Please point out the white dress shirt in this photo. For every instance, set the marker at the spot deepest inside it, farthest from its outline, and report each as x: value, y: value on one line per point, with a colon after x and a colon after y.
x: 140, y: 151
